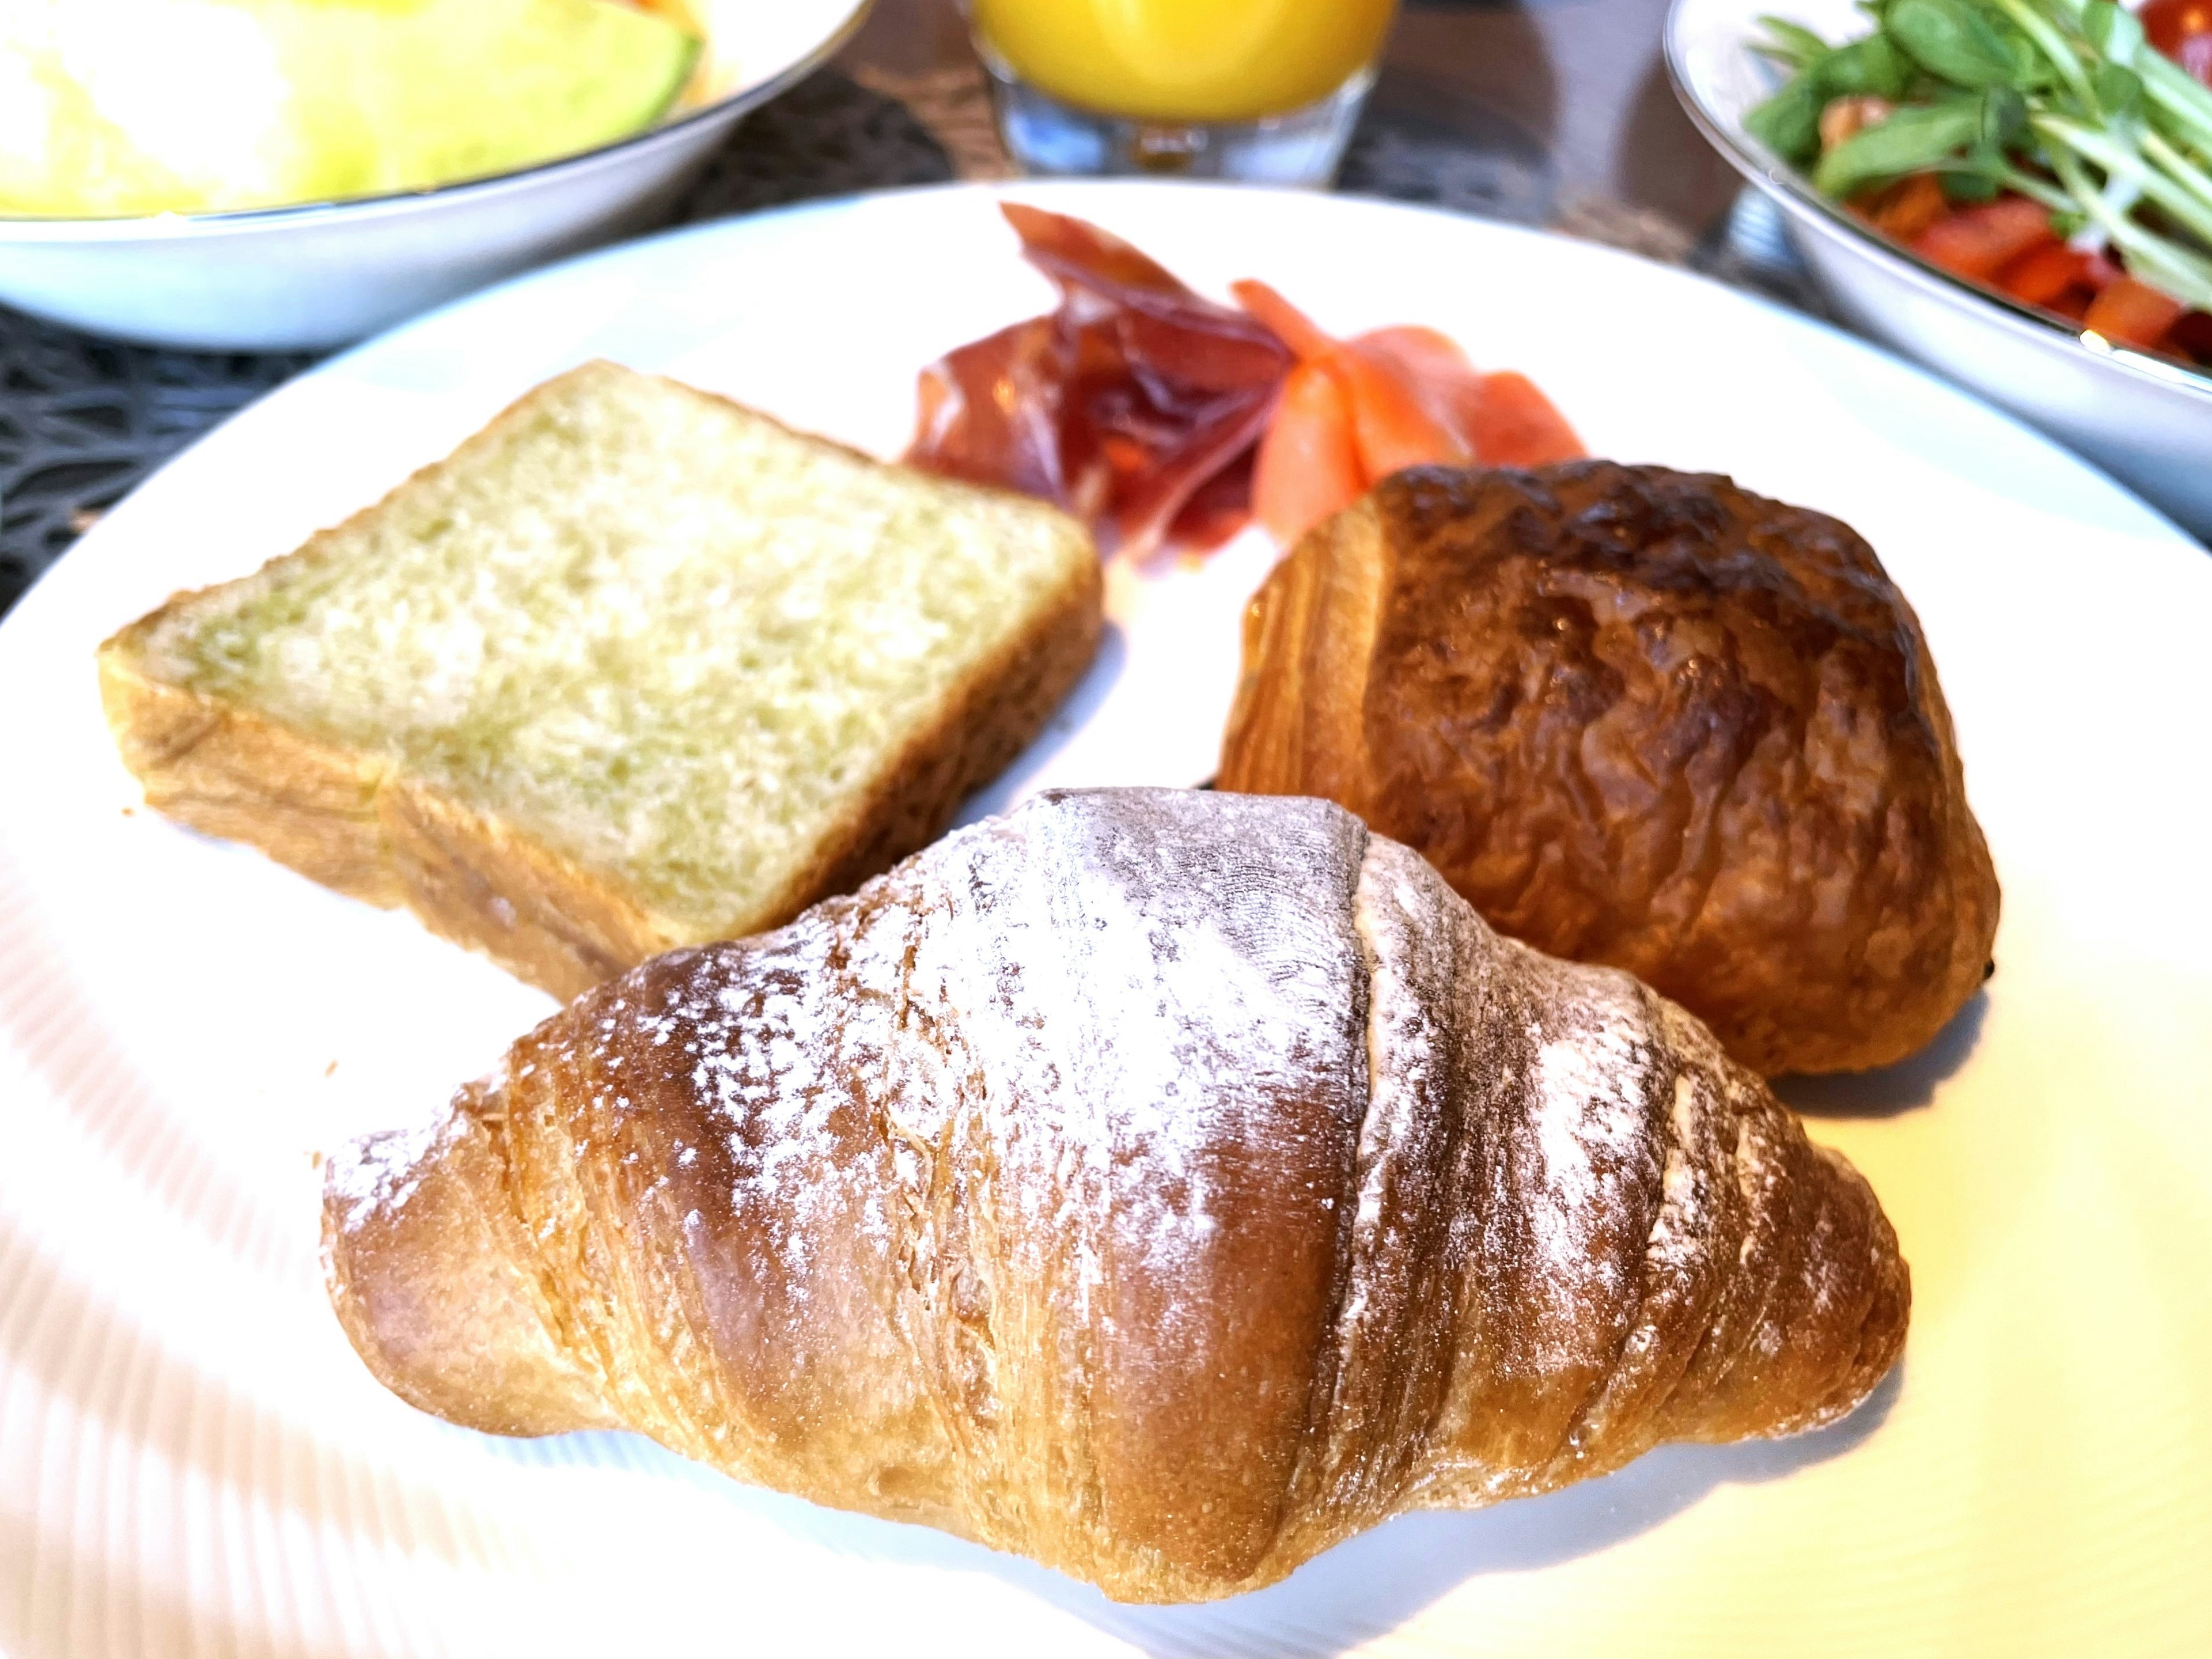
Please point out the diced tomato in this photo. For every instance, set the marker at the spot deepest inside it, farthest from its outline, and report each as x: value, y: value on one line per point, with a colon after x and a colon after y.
x: 2170, y: 23
x: 2193, y: 337
x: 1977, y: 242
x: 2182, y: 30
x: 2042, y: 276
x: 1309, y: 465
x: 2129, y: 312
x: 1908, y: 207
x: 2098, y: 273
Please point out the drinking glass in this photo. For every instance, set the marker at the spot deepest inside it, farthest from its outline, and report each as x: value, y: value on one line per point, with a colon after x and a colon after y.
x: 1262, y: 90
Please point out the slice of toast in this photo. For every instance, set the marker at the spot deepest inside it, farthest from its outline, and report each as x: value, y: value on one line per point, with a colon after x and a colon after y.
x: 633, y: 667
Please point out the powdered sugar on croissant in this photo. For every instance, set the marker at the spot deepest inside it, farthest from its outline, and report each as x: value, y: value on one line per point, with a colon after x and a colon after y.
x: 1163, y: 1185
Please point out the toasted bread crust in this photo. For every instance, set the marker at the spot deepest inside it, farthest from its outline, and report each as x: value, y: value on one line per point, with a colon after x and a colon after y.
x: 352, y: 823
x: 360, y: 823
x: 348, y: 821
x: 229, y: 770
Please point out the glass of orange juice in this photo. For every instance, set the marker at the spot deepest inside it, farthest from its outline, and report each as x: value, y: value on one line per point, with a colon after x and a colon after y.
x: 1265, y: 90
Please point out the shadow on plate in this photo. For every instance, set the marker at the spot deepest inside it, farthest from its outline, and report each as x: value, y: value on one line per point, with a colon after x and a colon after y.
x: 1372, y: 1584
x: 1362, y: 1588
x: 1891, y: 1090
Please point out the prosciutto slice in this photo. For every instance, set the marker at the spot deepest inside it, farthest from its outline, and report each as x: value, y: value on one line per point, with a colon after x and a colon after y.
x: 1136, y: 403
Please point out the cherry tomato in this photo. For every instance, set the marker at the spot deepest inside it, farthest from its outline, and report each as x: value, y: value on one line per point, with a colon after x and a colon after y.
x: 2182, y: 30
x: 2128, y: 312
x: 1977, y: 242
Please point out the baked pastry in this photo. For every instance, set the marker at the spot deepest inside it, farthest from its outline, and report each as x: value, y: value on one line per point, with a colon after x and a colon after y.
x: 1163, y: 1185
x: 635, y: 667
x: 1643, y: 718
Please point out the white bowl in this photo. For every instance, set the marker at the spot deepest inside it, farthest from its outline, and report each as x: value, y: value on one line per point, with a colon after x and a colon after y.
x: 323, y: 274
x: 2146, y: 421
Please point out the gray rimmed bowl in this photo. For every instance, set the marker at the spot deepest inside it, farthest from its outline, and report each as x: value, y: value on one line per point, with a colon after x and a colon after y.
x: 323, y: 274
x: 2145, y: 421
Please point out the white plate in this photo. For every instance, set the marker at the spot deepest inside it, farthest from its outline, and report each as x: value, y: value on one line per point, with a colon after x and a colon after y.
x: 323, y: 273
x: 2149, y: 420
x: 192, y: 1461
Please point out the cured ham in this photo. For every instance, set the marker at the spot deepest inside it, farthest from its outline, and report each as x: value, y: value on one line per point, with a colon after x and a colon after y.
x: 1135, y: 404
x: 1163, y: 418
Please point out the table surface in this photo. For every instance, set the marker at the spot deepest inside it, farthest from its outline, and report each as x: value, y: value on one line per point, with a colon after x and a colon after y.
x: 1544, y: 111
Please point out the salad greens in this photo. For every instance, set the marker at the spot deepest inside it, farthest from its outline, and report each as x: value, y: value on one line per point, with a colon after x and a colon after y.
x: 2064, y: 101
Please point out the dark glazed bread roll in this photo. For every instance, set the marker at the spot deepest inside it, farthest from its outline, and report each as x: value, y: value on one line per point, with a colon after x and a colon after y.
x: 1643, y: 718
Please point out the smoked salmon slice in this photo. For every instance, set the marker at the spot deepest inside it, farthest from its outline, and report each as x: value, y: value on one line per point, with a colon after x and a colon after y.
x: 1400, y: 397
x: 1310, y: 463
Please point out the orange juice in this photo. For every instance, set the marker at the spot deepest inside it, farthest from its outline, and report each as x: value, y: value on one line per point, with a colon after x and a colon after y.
x: 1186, y: 60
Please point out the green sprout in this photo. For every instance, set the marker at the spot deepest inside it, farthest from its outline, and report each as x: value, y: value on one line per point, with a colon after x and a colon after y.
x: 2064, y: 101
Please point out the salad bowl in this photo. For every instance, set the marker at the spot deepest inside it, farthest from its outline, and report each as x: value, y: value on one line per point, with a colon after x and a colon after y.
x: 2145, y: 419
x: 323, y: 274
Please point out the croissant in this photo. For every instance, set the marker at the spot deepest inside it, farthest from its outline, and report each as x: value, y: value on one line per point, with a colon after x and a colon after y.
x: 1161, y: 1185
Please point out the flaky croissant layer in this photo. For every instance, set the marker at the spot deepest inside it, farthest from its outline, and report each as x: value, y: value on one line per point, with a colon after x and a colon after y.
x: 1161, y: 1185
